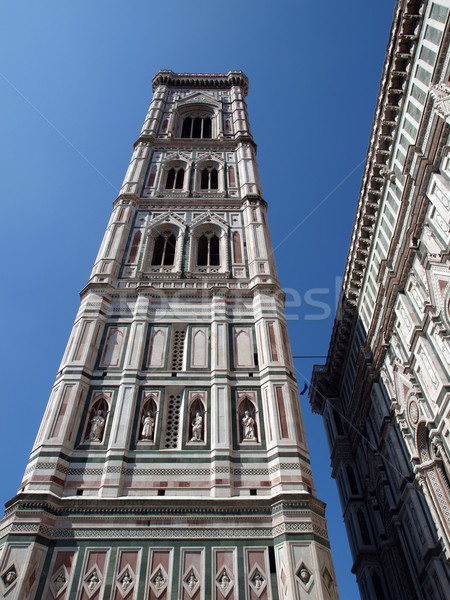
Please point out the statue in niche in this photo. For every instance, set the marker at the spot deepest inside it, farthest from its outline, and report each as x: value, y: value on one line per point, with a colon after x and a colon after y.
x: 97, y: 425
x: 197, y: 427
x: 148, y: 426
x: 248, y: 425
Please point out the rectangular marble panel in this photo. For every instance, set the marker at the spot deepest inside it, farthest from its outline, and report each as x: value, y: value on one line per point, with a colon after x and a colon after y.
x: 157, y: 346
x: 199, y: 347
x: 159, y: 574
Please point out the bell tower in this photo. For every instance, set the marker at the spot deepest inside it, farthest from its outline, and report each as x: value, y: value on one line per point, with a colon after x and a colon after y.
x: 172, y: 461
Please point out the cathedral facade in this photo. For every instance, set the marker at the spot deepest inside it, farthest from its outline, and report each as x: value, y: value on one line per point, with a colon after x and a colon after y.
x: 384, y: 392
x: 171, y: 461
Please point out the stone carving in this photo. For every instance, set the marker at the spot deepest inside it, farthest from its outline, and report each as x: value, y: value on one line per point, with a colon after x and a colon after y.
x: 304, y: 575
x: 97, y: 425
x: 224, y: 581
x: 93, y: 581
x: 197, y: 428
x: 327, y: 579
x: 126, y: 582
x: 248, y: 425
x: 148, y: 426
x: 192, y: 581
x: 159, y: 580
x: 59, y: 582
x: 10, y: 576
x: 413, y: 412
x: 257, y: 580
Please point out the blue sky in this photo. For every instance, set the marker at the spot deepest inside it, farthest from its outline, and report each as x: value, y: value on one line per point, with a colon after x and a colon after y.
x: 75, y: 84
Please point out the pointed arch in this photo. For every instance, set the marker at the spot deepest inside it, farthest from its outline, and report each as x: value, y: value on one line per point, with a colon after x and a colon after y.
x: 247, y: 420
x: 196, y: 422
x: 96, y: 420
x: 147, y: 420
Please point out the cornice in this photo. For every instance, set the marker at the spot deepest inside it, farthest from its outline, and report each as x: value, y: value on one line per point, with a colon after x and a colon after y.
x: 226, y: 144
x: 201, y: 80
x: 158, y: 506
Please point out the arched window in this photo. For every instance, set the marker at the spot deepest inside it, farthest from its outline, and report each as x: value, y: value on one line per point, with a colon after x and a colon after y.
x: 175, y: 178
x: 351, y: 479
x: 377, y: 586
x: 208, y: 250
x: 338, y: 421
x: 196, y: 127
x: 365, y: 535
x: 209, y: 179
x: 164, y: 249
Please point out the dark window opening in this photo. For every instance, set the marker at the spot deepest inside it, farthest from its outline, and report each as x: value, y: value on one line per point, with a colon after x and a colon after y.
x: 272, y: 563
x: 214, y: 250
x: 198, y: 127
x: 161, y: 492
x: 351, y: 480
x: 207, y: 127
x: 378, y: 588
x: 338, y: 421
x: 208, y: 254
x: 202, y: 251
x: 209, y: 179
x: 175, y: 179
x: 253, y: 492
x: 170, y: 179
x: 186, y: 131
x: 179, y: 180
x: 164, y: 250
x: 214, y: 179
x: 204, y: 179
x: 363, y: 528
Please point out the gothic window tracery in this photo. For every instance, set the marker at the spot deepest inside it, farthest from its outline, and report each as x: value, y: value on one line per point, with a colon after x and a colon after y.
x: 364, y: 530
x: 351, y: 479
x: 175, y: 178
x: 196, y: 127
x: 209, y: 179
x: 208, y: 253
x: 164, y: 249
